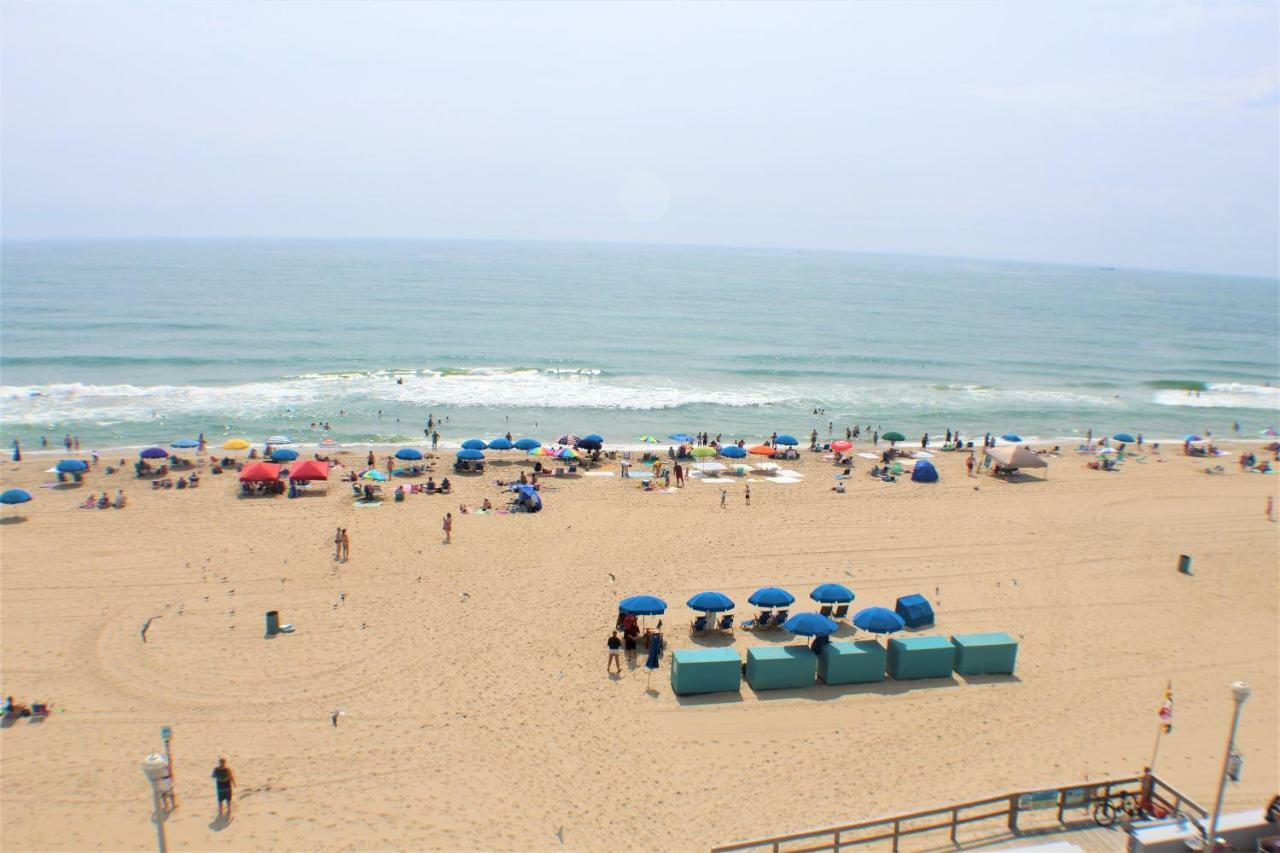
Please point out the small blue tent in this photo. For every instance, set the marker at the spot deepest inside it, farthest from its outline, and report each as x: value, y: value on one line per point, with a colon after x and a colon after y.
x: 924, y: 472
x: 915, y: 611
x: 527, y: 498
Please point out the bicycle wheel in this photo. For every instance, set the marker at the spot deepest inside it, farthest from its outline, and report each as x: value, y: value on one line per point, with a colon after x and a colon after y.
x: 1104, y: 814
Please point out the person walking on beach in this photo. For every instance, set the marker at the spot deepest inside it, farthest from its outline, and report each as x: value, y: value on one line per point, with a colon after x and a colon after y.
x: 724, y: 496
x: 346, y: 545
x: 875, y: 437
x: 17, y: 451
x: 435, y: 439
x: 924, y: 442
x: 679, y: 475
x: 747, y: 493
x: 337, y: 543
x: 615, y: 653
x: 224, y: 780
x: 969, y: 463
x: 448, y: 527
x: 1271, y: 508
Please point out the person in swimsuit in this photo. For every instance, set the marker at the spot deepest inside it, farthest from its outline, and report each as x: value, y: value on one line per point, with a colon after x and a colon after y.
x: 448, y: 527
x: 224, y: 780
x: 615, y: 657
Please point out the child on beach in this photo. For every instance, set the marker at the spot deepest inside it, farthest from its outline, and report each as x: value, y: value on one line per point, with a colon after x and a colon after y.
x: 346, y: 546
x: 448, y: 527
x: 724, y: 496
x: 747, y: 493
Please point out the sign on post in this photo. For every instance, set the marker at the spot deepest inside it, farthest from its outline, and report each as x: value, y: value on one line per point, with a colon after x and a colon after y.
x: 1038, y: 800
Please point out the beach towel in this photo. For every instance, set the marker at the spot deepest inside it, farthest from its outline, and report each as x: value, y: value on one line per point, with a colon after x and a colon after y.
x: 362, y: 504
x: 599, y: 473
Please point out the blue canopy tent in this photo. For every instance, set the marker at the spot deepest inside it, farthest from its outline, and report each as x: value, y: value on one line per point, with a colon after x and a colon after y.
x: 409, y: 454
x: 474, y: 444
x: 733, y: 451
x: 643, y: 605
x: 789, y: 440
x: 70, y: 466
x: 878, y: 620
x: 810, y: 624
x: 832, y: 593
x: 500, y: 444
x: 771, y: 596
x: 527, y: 497
x: 924, y: 472
x: 283, y: 454
x: 915, y: 611
x: 527, y: 444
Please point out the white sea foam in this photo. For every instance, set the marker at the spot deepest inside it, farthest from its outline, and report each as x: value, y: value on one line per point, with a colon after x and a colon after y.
x: 1223, y: 395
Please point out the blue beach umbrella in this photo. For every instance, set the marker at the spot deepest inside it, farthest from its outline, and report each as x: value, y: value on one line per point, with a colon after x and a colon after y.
x: 72, y: 466
x: 528, y: 443
x: 284, y: 454
x: 733, y: 451
x: 154, y: 453
x: 1012, y: 436
x: 682, y: 437
x: 1192, y: 437
x: 878, y: 620
x: 469, y: 454
x: 810, y: 625
x: 474, y: 444
x: 588, y: 444
x: 15, y: 496
x: 643, y: 605
x: 500, y: 444
x: 710, y: 602
x: 832, y: 593
x: 185, y: 443
x: 771, y: 596
x: 789, y: 440
x: 594, y: 436
x: 1125, y: 437
x: 411, y: 454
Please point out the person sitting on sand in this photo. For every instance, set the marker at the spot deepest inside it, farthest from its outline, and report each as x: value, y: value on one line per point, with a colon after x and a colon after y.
x: 838, y: 488
x: 182, y: 482
x: 524, y: 481
x: 445, y: 487
x: 487, y: 504
x: 104, y: 501
x: 120, y: 500
x: 431, y: 485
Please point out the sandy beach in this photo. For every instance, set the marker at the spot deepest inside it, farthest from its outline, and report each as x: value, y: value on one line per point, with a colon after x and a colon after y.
x: 477, y: 713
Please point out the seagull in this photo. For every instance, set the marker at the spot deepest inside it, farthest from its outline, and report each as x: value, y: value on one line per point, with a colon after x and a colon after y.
x: 333, y: 717
x: 464, y: 596
x: 612, y: 578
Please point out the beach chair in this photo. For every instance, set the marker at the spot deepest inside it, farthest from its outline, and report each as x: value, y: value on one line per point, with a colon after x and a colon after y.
x: 825, y: 610
x: 699, y: 624
x: 780, y: 616
x: 841, y: 612
x: 726, y: 623
x: 40, y: 709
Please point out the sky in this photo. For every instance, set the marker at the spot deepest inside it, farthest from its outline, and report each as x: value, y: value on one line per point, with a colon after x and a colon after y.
x: 1137, y: 134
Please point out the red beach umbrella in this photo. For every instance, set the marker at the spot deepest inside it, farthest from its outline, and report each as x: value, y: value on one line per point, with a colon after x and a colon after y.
x: 841, y: 445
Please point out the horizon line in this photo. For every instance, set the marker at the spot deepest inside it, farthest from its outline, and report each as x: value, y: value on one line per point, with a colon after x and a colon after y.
x: 586, y: 242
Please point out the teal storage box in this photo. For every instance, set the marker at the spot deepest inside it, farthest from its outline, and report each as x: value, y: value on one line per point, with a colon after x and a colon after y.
x: 778, y: 667
x: 985, y: 654
x: 705, y: 671
x: 851, y: 663
x: 921, y: 657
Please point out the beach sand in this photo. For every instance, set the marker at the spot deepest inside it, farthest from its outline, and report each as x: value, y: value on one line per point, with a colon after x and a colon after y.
x: 477, y: 711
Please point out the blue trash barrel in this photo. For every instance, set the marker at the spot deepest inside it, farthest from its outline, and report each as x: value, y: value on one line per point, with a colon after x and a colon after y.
x: 1184, y: 564
x: 273, y: 622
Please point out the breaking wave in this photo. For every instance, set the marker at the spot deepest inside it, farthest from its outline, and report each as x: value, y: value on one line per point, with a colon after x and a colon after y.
x: 1221, y: 395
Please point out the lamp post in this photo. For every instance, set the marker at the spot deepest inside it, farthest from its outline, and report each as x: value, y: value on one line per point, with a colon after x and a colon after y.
x: 1239, y: 693
x: 154, y: 766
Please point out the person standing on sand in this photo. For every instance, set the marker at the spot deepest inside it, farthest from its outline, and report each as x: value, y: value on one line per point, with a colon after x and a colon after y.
x: 337, y: 543
x: 679, y: 475
x: 346, y: 545
x: 747, y: 493
x: 448, y: 528
x: 968, y: 464
x: 724, y: 496
x: 1271, y: 508
x: 615, y: 653
x: 224, y: 780
x: 875, y: 437
x: 924, y: 442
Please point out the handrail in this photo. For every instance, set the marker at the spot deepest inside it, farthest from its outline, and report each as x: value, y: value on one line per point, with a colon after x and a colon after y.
x: 836, y: 838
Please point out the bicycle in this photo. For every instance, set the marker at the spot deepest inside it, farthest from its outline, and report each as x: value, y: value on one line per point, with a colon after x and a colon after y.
x: 1108, y: 809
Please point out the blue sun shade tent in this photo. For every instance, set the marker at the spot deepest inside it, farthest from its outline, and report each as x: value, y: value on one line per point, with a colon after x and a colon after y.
x: 915, y: 611
x: 921, y: 657
x: 985, y: 654
x: 527, y: 497
x: 924, y: 472
x: 851, y: 663
x: 705, y: 671
x: 780, y: 667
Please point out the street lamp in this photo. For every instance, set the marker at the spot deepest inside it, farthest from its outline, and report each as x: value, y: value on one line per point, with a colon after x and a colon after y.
x: 1239, y: 693
x: 154, y: 766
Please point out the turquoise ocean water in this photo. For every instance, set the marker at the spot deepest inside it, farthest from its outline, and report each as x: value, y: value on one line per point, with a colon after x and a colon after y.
x: 127, y: 343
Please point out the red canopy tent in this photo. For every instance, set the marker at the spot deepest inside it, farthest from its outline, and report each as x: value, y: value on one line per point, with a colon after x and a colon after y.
x: 260, y: 472
x: 310, y: 469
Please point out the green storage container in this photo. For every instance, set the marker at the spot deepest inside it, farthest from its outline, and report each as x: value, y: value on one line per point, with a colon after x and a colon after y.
x: 851, y: 663
x: 985, y: 654
x: 778, y: 667
x: 921, y: 657
x: 705, y: 671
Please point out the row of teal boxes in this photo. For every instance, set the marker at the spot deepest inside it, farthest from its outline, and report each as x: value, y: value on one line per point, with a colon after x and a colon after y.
x: 778, y: 667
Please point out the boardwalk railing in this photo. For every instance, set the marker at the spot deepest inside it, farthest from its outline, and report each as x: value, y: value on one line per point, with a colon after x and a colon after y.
x: 1006, y: 808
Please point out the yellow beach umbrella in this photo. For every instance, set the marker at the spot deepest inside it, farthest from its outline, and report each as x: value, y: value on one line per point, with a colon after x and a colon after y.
x: 235, y: 444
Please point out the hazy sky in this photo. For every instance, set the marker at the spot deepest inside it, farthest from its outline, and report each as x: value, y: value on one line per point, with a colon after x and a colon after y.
x: 1138, y: 134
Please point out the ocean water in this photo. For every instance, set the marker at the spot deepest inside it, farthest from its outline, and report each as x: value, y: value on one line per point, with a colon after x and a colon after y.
x: 139, y: 342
